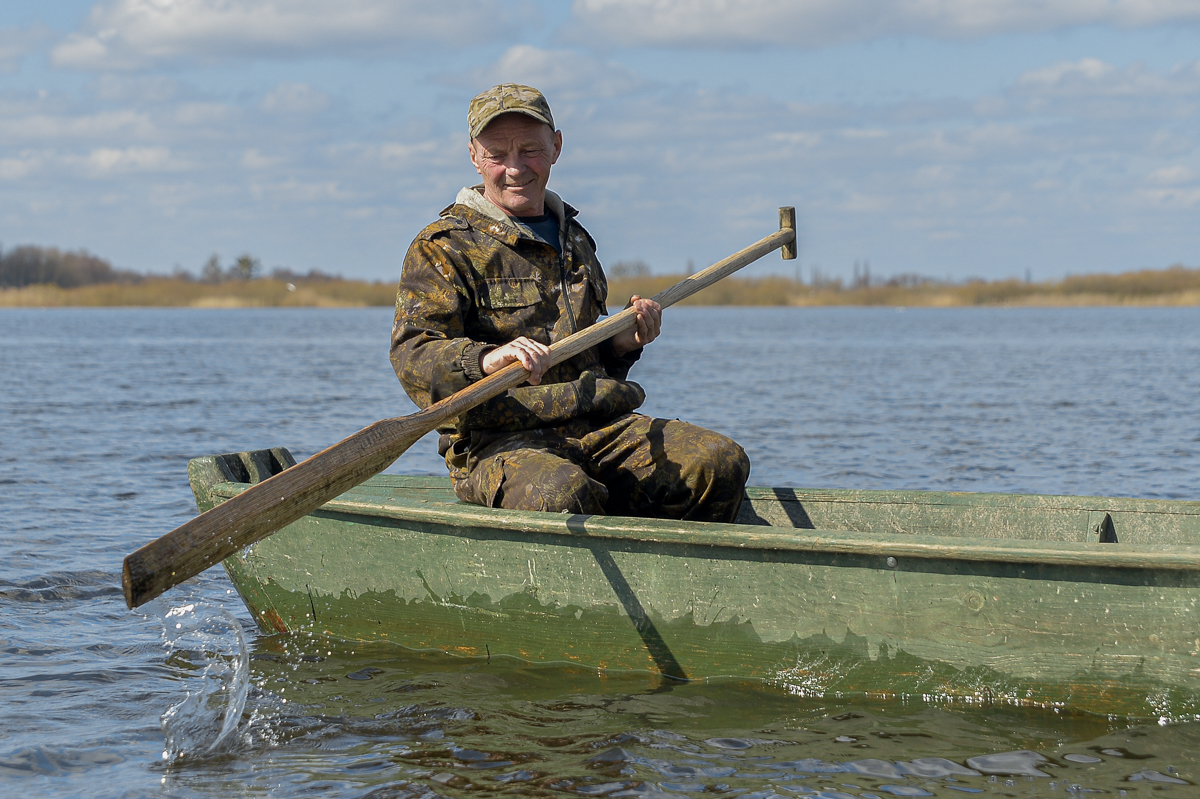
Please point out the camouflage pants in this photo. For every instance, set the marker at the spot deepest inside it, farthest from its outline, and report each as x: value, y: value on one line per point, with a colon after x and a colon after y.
x: 633, y: 466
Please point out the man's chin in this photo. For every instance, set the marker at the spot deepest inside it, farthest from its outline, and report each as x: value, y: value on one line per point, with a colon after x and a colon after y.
x: 522, y: 204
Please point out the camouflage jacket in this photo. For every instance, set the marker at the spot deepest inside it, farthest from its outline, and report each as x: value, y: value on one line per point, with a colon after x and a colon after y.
x: 477, y: 279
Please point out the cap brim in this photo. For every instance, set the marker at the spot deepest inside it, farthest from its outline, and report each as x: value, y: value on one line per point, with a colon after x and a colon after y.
x: 488, y: 120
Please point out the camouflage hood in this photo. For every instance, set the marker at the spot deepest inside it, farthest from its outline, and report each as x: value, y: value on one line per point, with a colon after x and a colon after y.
x: 472, y: 197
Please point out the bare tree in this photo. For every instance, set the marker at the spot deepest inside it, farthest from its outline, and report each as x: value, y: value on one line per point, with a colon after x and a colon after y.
x: 31, y: 266
x: 629, y: 269
x: 246, y: 267
x: 211, y: 272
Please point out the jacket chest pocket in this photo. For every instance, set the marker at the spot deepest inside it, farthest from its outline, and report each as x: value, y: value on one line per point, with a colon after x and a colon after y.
x: 510, y: 293
x: 599, y: 288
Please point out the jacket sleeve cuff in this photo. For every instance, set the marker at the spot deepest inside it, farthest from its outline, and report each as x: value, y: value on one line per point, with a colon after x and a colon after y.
x: 471, y: 360
x: 617, y: 366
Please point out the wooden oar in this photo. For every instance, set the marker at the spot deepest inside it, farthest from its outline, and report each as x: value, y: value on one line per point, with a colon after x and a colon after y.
x: 279, y: 500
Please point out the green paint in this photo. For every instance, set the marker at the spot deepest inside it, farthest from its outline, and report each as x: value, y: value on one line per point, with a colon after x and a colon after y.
x: 937, y: 597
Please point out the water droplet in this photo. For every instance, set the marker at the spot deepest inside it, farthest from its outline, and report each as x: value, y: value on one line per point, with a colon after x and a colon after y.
x: 207, y: 719
x: 728, y: 743
x: 1082, y: 758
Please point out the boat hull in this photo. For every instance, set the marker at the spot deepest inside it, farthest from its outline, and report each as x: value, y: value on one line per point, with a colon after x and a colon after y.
x: 1104, y: 628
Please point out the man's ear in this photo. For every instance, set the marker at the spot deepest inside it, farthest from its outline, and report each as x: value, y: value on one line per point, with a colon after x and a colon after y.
x: 474, y: 156
x: 557, y: 147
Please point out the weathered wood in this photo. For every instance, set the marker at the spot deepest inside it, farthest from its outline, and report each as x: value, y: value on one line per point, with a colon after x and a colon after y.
x: 217, y: 533
x: 1015, y: 516
x: 857, y: 529
x: 787, y: 220
x: 864, y: 602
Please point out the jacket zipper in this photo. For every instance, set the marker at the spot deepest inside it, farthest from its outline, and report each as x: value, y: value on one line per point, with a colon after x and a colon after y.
x: 562, y: 273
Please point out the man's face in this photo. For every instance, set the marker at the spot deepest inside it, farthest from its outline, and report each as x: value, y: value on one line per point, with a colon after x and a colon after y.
x: 513, y: 154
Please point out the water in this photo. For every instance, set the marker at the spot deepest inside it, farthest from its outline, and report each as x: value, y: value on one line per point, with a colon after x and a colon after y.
x: 101, y: 409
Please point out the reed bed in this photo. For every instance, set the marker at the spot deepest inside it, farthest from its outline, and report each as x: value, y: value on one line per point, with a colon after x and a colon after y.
x: 1177, y: 285
x: 174, y: 292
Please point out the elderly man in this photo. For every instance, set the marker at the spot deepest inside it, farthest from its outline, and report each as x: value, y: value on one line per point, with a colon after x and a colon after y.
x: 505, y: 272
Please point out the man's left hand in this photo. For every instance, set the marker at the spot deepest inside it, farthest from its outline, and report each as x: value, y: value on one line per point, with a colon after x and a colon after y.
x: 649, y: 324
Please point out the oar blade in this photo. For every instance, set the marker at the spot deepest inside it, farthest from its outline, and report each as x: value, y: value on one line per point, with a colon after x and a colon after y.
x: 264, y: 508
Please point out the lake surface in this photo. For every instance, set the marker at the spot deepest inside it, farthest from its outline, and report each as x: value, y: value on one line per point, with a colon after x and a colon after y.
x: 101, y: 409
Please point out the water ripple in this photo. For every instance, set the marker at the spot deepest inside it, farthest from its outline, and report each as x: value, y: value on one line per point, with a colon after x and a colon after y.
x: 112, y: 403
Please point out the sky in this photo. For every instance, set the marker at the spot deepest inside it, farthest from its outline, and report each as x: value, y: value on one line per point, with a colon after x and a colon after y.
x: 953, y: 139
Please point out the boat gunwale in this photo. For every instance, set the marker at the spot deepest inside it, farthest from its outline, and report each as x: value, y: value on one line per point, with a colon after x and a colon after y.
x: 1153, y: 557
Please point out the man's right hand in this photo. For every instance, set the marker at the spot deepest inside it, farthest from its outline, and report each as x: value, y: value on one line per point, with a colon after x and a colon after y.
x: 532, y: 355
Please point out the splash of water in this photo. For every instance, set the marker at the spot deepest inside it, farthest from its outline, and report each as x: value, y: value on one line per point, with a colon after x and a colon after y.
x: 208, y: 647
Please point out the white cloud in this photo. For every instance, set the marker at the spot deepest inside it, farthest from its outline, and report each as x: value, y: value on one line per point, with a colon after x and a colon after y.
x: 855, y: 133
x: 98, y: 162
x: 659, y: 171
x: 19, y: 167
x: 122, y: 34
x: 1175, y: 198
x: 560, y: 74
x: 295, y: 98
x: 253, y: 159
x: 800, y: 139
x: 1174, y: 186
x: 200, y: 114
x: 125, y: 89
x: 817, y: 23
x: 40, y: 127
x: 292, y: 191
x: 1094, y: 89
x: 865, y: 204
x: 1091, y: 77
x: 916, y: 186
x: 1174, y: 175
x: 403, y: 155
x: 15, y: 43
x: 406, y: 156
x: 105, y: 161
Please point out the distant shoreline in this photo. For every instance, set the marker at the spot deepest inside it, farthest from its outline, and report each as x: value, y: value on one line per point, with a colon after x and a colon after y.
x: 1177, y: 286
x: 171, y: 292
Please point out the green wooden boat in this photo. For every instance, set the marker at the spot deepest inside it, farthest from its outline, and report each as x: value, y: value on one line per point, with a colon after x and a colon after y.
x: 1076, y: 603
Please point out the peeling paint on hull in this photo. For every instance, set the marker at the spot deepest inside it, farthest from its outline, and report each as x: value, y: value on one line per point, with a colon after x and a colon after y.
x: 847, y: 594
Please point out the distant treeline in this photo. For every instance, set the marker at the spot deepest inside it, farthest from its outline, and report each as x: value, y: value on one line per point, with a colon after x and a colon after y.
x: 47, y: 277
x: 47, y: 266
x: 1176, y: 285
x: 247, y: 267
x: 35, y: 276
x: 37, y: 266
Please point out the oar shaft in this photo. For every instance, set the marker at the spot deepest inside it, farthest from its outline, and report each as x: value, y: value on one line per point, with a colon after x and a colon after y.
x: 282, y: 499
x: 514, y: 374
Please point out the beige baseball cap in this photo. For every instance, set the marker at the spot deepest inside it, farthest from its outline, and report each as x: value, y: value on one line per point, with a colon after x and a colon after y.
x: 507, y: 98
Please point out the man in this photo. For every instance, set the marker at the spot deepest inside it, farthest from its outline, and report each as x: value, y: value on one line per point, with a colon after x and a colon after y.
x: 505, y: 272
